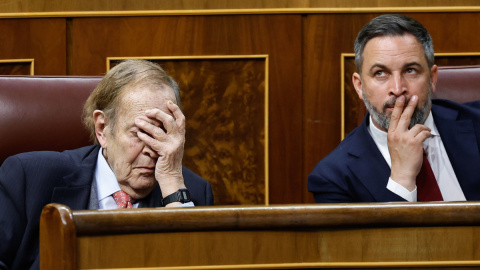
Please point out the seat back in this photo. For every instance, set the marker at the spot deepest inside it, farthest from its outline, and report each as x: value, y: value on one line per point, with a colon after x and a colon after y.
x: 42, y: 113
x: 458, y: 83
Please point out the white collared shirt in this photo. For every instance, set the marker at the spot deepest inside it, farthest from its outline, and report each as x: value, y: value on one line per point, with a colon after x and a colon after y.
x: 109, y: 185
x: 438, y: 158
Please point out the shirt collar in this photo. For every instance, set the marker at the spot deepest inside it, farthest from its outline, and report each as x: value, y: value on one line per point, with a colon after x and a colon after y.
x: 431, y: 124
x: 107, y: 183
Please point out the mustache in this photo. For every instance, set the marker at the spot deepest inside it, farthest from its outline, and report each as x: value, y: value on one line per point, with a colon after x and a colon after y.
x: 390, y: 103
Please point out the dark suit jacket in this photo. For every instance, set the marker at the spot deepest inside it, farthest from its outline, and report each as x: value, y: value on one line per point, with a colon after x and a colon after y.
x: 357, y: 172
x: 29, y: 181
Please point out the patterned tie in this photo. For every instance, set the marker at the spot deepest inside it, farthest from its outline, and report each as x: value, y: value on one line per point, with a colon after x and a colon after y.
x: 123, y: 200
x: 427, y: 186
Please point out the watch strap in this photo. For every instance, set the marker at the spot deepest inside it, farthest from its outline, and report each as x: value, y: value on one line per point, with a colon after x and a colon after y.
x: 181, y: 195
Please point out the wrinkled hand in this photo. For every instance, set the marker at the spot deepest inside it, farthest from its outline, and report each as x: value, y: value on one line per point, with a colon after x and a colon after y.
x: 168, y: 143
x: 406, y: 145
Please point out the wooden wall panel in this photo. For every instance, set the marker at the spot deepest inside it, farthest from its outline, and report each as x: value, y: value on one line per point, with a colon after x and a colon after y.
x: 223, y: 100
x: 43, y: 40
x: 224, y: 103
x: 278, y: 36
x: 327, y: 36
x: 16, y: 67
x: 188, y: 5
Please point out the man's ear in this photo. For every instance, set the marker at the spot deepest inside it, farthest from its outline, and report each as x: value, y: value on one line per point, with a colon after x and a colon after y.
x: 433, y: 77
x: 357, y: 83
x: 101, y: 129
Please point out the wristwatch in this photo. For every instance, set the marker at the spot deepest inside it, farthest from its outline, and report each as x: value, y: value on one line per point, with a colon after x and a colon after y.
x: 182, y: 195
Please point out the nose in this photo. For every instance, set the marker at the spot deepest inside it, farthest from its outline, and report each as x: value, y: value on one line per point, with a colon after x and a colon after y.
x: 398, y: 85
x: 149, y: 152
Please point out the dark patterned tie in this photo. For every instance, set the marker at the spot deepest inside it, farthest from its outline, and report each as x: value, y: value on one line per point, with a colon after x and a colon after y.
x: 427, y: 186
x: 123, y: 200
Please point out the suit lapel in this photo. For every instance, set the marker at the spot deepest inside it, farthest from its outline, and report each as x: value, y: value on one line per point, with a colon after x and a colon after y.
x: 369, y: 165
x: 458, y: 137
x: 74, y: 191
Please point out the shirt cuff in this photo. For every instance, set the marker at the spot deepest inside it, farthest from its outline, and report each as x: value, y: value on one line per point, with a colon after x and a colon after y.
x: 402, y: 191
x: 188, y: 204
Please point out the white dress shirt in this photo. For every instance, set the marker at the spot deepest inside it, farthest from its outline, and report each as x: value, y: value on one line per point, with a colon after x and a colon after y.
x: 436, y: 155
x: 109, y: 185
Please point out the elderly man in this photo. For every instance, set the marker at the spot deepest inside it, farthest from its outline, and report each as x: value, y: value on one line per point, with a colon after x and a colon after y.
x: 139, y: 131
x: 406, y: 149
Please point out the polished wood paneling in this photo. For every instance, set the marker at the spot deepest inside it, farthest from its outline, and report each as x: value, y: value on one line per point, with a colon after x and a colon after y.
x: 58, y: 239
x: 353, y: 107
x: 16, y: 67
x: 40, y: 39
x: 326, y: 37
x: 188, y: 5
x: 379, y: 235
x: 223, y: 99
x: 278, y: 36
x: 355, y: 247
x: 323, y: 45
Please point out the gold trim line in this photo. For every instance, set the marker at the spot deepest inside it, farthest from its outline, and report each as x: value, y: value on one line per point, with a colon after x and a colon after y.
x: 24, y: 60
x: 449, y: 9
x: 380, y: 265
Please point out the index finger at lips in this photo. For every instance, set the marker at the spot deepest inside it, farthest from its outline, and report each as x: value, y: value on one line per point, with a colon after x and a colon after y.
x: 406, y: 116
x: 397, y: 112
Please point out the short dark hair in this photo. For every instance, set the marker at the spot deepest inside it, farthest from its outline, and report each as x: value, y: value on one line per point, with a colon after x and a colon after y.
x: 393, y: 25
x: 107, y: 94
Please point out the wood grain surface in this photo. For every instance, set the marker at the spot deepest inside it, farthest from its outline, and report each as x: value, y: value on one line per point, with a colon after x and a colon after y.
x: 40, y: 39
x: 18, y: 6
x: 379, y: 236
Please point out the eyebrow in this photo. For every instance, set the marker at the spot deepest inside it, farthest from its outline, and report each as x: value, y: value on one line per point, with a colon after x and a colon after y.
x: 404, y: 66
x: 377, y: 66
x: 413, y: 64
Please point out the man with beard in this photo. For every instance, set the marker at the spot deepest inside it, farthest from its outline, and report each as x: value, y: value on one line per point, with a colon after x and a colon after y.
x: 408, y: 148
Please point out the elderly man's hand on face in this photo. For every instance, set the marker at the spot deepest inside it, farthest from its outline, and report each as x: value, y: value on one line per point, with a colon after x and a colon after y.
x: 406, y: 145
x: 168, y: 142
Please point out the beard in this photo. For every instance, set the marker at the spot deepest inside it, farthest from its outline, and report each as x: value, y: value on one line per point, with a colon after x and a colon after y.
x: 383, y: 117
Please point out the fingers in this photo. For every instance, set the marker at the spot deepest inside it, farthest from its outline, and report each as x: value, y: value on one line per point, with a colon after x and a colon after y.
x: 401, y: 118
x: 167, y: 120
x: 153, y: 143
x: 421, y: 132
x: 177, y: 113
x: 150, y: 130
x: 416, y: 135
x: 406, y: 116
x: 171, y: 127
x: 397, y: 112
x: 172, y: 124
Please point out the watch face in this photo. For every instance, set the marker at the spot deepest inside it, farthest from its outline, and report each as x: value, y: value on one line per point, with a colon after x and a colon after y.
x: 184, y: 195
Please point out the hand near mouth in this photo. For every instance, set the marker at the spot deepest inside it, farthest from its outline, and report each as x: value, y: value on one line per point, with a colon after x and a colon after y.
x: 406, y: 145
